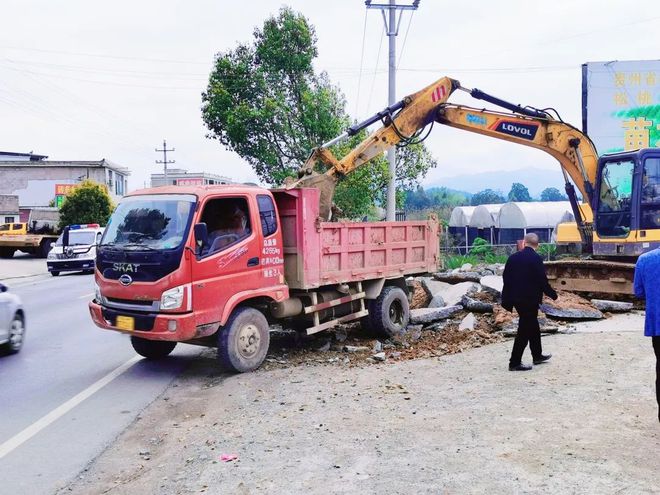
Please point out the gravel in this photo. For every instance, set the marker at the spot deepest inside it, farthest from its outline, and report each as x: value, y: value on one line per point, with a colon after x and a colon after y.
x: 586, y: 422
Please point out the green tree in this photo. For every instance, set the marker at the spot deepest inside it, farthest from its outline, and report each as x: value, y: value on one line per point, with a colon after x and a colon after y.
x: 552, y: 194
x: 265, y: 102
x: 487, y: 196
x: 519, y: 192
x: 88, y: 203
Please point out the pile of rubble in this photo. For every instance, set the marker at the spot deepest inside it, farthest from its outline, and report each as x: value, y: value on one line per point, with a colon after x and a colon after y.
x: 450, y: 312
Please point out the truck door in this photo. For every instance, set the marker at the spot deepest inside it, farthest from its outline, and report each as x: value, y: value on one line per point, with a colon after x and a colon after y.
x: 230, y: 263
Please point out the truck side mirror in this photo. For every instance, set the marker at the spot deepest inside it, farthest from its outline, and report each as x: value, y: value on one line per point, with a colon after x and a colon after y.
x: 65, y: 237
x: 201, y: 235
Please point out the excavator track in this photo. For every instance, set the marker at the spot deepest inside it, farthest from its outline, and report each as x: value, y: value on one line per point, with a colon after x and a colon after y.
x: 594, y: 276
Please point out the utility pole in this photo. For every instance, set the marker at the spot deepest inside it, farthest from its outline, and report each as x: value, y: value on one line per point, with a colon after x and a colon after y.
x: 165, y: 161
x: 392, y: 28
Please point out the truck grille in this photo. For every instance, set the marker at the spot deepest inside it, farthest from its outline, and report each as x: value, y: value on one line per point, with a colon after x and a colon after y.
x: 131, y: 304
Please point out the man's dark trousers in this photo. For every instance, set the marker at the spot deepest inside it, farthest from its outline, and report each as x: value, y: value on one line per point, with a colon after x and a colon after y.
x: 528, y: 332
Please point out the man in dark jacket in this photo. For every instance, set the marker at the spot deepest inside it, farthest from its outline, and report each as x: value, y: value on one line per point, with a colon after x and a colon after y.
x: 525, y: 282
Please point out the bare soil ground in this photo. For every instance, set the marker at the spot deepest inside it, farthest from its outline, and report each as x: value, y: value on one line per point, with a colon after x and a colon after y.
x: 586, y: 422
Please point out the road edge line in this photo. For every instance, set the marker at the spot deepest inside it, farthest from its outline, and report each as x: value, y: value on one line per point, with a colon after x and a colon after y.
x: 55, y: 414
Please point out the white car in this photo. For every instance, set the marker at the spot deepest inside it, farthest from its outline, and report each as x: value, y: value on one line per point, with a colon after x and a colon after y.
x: 12, y: 322
x: 79, y: 254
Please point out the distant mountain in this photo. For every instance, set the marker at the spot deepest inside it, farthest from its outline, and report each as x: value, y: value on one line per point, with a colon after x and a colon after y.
x: 535, y: 179
x: 467, y: 194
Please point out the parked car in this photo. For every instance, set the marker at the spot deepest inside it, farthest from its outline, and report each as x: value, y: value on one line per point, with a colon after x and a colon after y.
x: 12, y: 322
x: 78, y: 253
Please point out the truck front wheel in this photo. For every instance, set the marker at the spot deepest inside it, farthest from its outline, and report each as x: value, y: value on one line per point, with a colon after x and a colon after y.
x: 152, y: 349
x: 389, y: 313
x: 243, y: 342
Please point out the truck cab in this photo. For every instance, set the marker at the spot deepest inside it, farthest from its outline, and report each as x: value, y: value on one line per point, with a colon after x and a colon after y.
x: 165, y: 248
x: 13, y: 229
x: 78, y: 253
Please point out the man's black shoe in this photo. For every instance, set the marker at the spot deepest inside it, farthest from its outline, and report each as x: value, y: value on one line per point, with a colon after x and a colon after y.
x: 542, y: 359
x: 520, y: 367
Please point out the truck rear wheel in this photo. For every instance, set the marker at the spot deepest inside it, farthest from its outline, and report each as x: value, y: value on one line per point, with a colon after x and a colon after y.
x: 44, y: 248
x: 243, y: 342
x: 7, y: 252
x: 152, y: 349
x: 389, y: 313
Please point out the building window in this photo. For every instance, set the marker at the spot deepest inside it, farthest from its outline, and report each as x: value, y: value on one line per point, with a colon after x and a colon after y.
x: 119, y: 185
x: 9, y: 219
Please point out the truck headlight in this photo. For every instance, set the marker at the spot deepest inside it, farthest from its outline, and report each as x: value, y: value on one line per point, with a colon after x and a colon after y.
x: 172, y: 298
x: 97, y: 293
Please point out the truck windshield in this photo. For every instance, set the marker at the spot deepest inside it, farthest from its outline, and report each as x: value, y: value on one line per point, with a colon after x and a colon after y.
x: 157, y: 221
x: 78, y: 238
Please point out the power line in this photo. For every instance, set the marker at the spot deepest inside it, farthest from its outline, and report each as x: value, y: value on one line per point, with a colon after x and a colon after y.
x: 116, y: 57
x: 364, y: 35
x: 405, y: 38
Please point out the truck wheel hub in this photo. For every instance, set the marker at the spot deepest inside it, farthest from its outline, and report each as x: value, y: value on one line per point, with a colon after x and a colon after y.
x: 248, y: 340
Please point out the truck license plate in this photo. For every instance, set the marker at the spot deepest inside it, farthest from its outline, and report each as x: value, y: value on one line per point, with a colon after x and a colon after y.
x: 126, y: 323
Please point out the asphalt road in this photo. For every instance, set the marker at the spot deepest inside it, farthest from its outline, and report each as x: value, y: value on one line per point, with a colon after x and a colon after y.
x: 72, y: 389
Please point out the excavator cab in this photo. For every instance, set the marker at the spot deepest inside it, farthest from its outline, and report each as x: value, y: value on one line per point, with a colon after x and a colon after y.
x: 627, y: 206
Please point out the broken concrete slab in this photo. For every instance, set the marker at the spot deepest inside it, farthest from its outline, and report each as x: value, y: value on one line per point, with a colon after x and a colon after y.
x: 497, y: 268
x: 492, y: 284
x: 467, y: 267
x: 612, y: 306
x: 456, y: 278
x: 510, y: 329
x: 432, y: 286
x: 437, y: 302
x: 562, y: 313
x: 468, y: 322
x: 425, y: 316
x: 452, y: 294
x: 475, y: 305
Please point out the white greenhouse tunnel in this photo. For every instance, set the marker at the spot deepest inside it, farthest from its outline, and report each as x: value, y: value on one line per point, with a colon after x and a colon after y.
x: 507, y: 223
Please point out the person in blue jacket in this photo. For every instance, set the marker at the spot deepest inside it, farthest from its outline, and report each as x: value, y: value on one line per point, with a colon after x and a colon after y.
x: 647, y: 286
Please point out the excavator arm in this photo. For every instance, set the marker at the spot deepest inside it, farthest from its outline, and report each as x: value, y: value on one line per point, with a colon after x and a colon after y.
x: 401, y: 122
x: 574, y: 150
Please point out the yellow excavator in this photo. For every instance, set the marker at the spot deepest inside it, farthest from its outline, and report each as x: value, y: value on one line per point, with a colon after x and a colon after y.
x: 616, y: 219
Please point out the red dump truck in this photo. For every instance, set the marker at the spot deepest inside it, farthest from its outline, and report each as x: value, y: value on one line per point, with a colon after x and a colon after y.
x: 216, y: 265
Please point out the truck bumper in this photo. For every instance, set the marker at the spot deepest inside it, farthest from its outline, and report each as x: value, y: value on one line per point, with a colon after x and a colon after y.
x: 151, y: 326
x: 70, y: 265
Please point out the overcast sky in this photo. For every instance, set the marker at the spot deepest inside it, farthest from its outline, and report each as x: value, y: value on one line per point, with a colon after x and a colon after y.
x: 85, y: 80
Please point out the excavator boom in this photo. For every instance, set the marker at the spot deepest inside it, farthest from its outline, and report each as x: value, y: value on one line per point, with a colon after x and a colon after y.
x: 400, y: 123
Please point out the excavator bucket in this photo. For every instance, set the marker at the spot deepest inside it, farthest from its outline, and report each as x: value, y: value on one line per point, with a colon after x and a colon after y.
x: 326, y: 186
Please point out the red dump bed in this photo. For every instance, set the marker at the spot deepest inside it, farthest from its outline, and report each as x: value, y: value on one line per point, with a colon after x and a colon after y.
x: 322, y: 253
